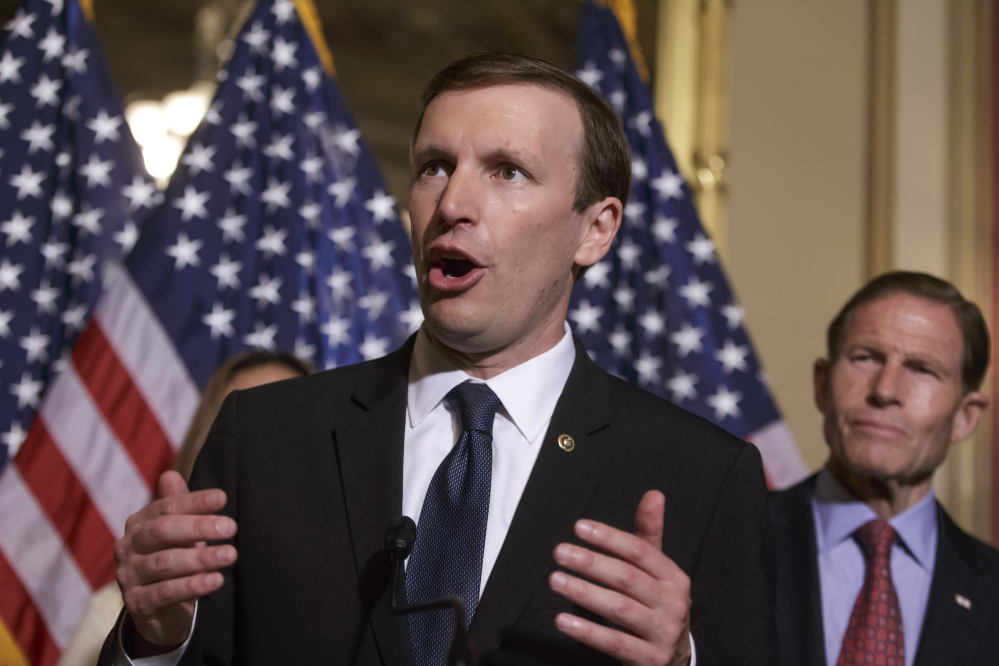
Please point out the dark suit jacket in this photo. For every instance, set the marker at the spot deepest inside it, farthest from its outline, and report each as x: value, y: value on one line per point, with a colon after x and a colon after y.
x: 951, y: 633
x: 313, y: 472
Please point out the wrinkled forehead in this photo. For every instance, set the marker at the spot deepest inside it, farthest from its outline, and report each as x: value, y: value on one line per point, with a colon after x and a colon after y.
x: 513, y: 116
x: 908, y: 322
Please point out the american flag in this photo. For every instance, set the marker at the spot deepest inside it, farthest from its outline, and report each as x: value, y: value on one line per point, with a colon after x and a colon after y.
x: 72, y: 186
x: 658, y: 309
x: 73, y: 192
x: 276, y: 232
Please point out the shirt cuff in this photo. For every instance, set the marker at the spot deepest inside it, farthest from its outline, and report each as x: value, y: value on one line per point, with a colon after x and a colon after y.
x: 170, y: 658
x: 693, y: 651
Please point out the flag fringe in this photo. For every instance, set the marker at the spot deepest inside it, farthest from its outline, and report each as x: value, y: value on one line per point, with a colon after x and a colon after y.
x: 88, y: 9
x: 627, y: 18
x: 309, y: 15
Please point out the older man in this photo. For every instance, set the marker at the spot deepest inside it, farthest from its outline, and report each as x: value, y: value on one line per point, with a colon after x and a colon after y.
x: 871, y: 569
x: 491, y: 426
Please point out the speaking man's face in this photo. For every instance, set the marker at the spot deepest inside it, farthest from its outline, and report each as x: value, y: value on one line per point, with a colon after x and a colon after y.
x: 893, y: 400
x: 493, y: 230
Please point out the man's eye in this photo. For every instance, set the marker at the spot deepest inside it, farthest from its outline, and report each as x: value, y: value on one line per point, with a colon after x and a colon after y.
x: 432, y: 170
x: 512, y: 174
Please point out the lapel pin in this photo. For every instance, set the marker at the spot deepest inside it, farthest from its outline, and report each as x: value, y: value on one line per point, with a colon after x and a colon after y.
x: 566, y: 443
x: 963, y: 601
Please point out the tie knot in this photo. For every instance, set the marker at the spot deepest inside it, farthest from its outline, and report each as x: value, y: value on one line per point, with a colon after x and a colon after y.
x: 476, y: 406
x: 876, y: 538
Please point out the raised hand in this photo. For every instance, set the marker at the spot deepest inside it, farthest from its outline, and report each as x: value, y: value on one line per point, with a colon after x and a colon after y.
x: 164, y: 564
x: 635, y: 586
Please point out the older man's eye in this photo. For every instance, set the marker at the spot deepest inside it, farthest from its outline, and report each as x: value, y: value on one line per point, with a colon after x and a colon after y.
x: 512, y: 174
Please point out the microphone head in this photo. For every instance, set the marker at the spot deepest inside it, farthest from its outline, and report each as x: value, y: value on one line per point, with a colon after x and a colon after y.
x: 401, y: 535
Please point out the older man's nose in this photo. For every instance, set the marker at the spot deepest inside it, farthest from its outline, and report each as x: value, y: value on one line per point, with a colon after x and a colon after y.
x: 887, y: 383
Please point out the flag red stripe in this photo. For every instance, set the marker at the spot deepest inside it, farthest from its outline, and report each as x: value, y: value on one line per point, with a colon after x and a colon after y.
x: 121, y: 404
x: 23, y: 620
x: 65, y: 501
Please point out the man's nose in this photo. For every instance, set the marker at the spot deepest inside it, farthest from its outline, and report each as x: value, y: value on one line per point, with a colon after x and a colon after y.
x: 887, y: 384
x: 461, y: 199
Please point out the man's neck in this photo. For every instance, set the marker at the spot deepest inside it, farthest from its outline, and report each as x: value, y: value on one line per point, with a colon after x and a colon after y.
x: 886, y: 498
x: 486, y: 365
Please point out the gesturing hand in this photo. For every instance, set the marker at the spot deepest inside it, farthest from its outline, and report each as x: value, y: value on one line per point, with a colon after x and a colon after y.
x: 640, y: 589
x: 164, y: 564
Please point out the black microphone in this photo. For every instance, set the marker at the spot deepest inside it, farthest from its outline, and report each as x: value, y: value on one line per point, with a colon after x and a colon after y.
x: 399, y: 542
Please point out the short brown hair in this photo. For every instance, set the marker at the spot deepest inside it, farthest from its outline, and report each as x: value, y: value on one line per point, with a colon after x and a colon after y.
x: 974, y: 331
x: 604, y: 156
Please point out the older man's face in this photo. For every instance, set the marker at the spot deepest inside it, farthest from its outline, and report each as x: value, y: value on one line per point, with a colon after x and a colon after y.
x: 494, y: 233
x: 893, y: 400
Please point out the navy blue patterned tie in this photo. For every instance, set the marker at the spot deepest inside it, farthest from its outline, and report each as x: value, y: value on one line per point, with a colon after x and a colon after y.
x: 447, y: 557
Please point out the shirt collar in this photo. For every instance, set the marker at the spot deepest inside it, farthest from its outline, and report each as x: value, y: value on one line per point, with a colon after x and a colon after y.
x: 838, y: 514
x: 528, y: 392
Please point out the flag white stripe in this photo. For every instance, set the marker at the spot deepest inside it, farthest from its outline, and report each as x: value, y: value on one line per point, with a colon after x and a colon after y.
x: 148, y: 354
x: 100, y: 462
x: 37, y: 555
x: 781, y: 457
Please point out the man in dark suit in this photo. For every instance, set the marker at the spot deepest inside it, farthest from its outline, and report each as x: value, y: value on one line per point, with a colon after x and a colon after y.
x: 491, y: 426
x: 871, y: 569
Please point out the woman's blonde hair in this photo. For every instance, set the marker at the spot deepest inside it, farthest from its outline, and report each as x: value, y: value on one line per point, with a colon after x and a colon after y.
x: 214, y: 394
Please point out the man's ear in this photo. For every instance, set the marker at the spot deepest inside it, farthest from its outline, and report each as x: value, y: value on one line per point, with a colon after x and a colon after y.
x: 820, y: 383
x: 602, y: 220
x: 972, y: 406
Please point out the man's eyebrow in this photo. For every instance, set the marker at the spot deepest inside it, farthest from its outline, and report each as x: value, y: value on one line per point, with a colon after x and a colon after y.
x: 430, y: 152
x: 422, y: 154
x: 522, y: 158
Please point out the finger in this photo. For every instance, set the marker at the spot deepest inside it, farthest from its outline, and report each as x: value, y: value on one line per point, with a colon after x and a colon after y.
x: 617, y: 644
x: 172, y: 531
x: 198, y: 502
x: 649, y: 518
x: 614, y: 606
x: 149, y: 600
x: 628, y: 547
x: 171, y: 483
x: 180, y: 562
x: 612, y: 572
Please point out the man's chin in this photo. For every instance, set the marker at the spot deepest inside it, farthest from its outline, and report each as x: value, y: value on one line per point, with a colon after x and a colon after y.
x: 456, y: 330
x: 881, y: 461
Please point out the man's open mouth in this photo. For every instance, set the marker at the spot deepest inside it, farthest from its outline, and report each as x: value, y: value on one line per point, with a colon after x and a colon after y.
x: 456, y: 268
x: 452, y: 263
x: 452, y: 270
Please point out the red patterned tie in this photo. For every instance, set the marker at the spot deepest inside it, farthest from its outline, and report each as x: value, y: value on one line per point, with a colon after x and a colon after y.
x: 874, y: 635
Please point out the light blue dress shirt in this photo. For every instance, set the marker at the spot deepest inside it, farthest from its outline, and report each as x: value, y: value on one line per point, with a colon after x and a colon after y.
x: 838, y: 514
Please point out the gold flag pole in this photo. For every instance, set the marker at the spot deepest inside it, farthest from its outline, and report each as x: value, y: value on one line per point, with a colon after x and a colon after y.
x: 314, y: 26
x: 88, y: 9
x: 627, y: 18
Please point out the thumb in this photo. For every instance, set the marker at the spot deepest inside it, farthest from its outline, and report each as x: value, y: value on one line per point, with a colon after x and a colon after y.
x: 649, y: 518
x: 172, y: 483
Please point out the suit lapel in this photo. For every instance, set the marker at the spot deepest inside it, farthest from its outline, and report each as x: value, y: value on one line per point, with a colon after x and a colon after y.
x: 799, y: 606
x: 951, y: 631
x: 556, y: 495
x: 369, y: 438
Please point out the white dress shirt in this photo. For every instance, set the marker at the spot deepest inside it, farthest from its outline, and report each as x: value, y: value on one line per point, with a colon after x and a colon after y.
x: 528, y: 393
x: 842, y: 567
